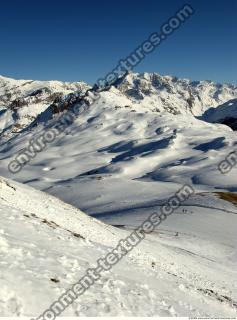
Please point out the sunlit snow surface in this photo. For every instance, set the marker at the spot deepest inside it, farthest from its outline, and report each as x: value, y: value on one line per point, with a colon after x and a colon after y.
x: 119, y: 162
x: 186, y: 273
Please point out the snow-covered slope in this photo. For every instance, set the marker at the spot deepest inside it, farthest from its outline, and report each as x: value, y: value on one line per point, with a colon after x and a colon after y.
x: 119, y: 161
x: 122, y: 144
x: 166, y: 93
x: 11, y: 89
x: 183, y: 269
x: 225, y: 113
x: 114, y: 142
x: 21, y: 101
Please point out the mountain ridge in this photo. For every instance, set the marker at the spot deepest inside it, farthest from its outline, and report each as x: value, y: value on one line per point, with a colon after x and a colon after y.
x: 24, y: 100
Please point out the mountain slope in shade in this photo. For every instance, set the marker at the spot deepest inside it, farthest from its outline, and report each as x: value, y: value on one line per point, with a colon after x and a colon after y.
x: 225, y: 114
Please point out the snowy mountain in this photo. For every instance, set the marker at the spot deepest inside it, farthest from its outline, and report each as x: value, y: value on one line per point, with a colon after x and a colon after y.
x: 46, y: 245
x: 127, y: 139
x: 177, y: 96
x: 21, y: 101
x: 119, y: 160
x: 225, y: 114
x: 11, y: 89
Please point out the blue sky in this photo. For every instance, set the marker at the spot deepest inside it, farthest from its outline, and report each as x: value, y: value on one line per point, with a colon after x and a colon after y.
x: 83, y: 40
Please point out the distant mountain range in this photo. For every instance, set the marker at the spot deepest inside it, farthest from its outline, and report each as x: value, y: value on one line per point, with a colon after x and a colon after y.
x: 21, y: 101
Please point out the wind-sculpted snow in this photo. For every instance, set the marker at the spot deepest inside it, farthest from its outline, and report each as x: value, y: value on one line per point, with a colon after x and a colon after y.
x: 116, y: 145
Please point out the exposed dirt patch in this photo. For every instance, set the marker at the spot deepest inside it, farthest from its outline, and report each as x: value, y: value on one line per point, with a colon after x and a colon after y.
x: 7, y: 184
x: 221, y: 298
x: 54, y: 280
x: 228, y: 196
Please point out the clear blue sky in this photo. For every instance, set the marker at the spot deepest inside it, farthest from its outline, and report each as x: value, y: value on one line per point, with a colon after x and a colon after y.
x: 83, y: 40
